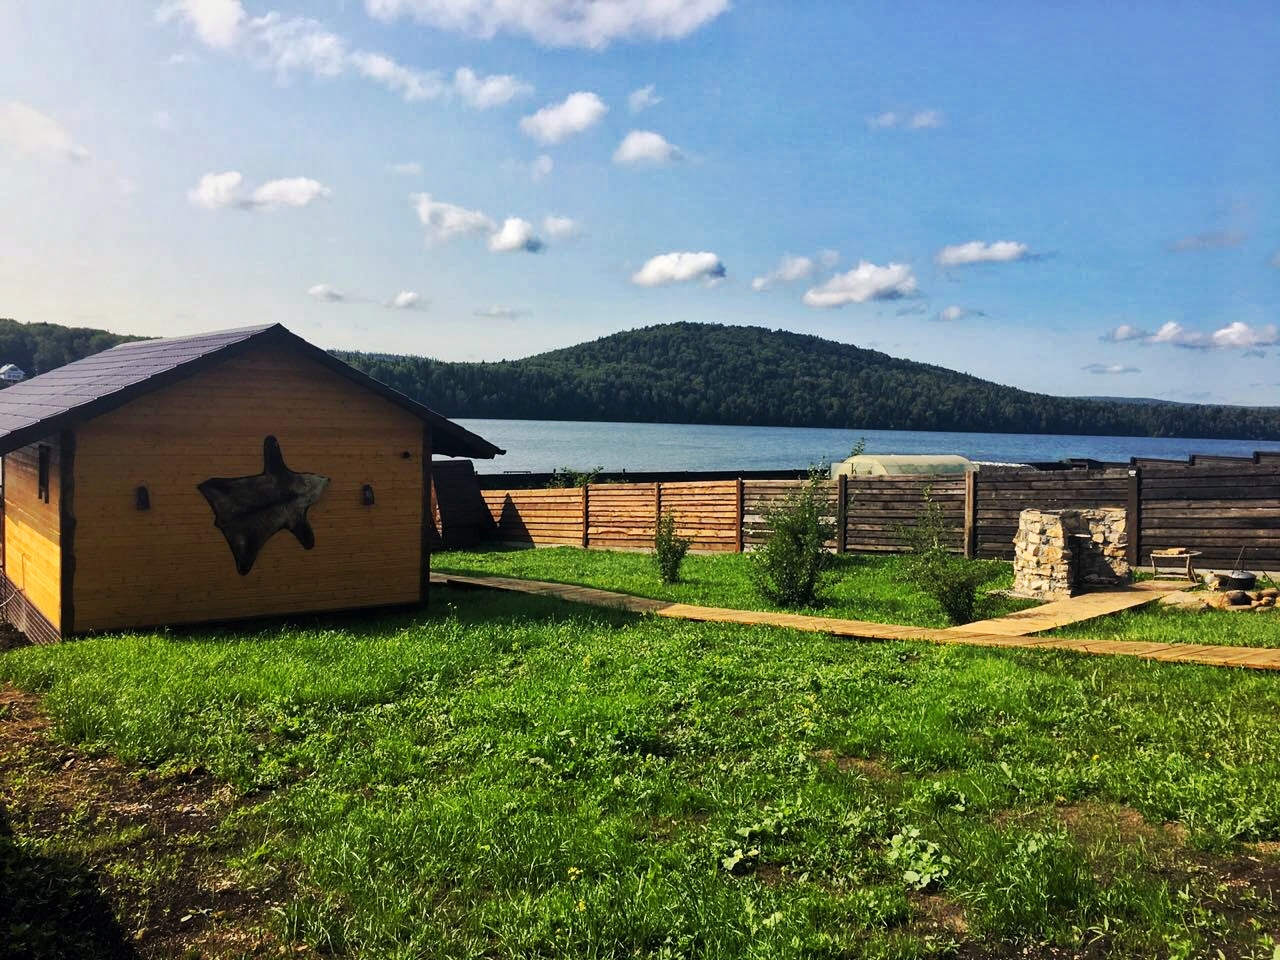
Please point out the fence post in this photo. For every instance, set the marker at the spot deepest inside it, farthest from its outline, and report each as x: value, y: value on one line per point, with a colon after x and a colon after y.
x: 738, y: 497
x: 842, y: 511
x: 1133, y: 517
x: 971, y: 514
x: 586, y: 516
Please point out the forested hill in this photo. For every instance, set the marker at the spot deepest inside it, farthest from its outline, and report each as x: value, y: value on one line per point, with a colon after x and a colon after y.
x: 40, y: 347
x: 708, y: 373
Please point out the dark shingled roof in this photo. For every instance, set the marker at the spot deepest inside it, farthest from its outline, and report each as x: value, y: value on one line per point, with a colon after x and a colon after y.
x: 95, y: 385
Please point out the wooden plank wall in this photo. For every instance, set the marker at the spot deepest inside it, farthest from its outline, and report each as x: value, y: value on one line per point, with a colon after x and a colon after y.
x: 707, y: 513
x: 1002, y: 496
x: 761, y: 496
x: 170, y: 564
x: 618, y: 516
x: 878, y: 508
x: 621, y: 515
x: 1215, y: 510
x: 32, y: 529
x: 537, y: 517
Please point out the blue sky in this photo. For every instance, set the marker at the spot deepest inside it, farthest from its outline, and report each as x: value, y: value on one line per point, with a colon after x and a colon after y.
x: 1079, y: 199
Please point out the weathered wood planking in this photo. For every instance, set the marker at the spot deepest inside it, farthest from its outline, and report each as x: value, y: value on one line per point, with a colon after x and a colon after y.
x: 1230, y: 513
x: 622, y: 516
x: 1001, y: 498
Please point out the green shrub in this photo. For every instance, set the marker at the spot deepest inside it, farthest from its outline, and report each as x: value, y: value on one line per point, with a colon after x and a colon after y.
x: 567, y: 477
x: 788, y: 568
x: 931, y: 567
x: 669, y: 548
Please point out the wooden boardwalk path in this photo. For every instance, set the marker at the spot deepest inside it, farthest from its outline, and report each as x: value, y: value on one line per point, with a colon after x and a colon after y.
x: 992, y: 633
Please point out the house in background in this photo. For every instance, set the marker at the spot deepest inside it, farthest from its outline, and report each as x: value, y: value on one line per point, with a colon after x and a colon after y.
x: 12, y: 373
x: 218, y: 477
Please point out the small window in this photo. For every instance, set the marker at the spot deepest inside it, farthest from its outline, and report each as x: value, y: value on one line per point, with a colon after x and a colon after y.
x: 42, y: 481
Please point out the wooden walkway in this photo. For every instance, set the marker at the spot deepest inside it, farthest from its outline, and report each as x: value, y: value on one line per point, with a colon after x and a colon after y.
x: 1011, y: 631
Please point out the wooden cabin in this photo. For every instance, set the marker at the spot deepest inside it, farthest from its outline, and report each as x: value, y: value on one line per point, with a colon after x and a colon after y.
x: 218, y: 477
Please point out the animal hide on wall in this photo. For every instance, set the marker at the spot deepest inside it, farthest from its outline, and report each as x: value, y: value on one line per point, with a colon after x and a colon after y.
x: 251, y: 510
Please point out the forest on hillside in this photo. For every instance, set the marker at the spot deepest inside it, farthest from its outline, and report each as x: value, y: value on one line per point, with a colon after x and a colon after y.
x: 710, y: 373
x: 707, y: 373
x: 40, y: 347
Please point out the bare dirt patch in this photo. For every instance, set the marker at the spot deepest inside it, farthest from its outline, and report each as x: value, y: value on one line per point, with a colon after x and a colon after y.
x: 101, y: 860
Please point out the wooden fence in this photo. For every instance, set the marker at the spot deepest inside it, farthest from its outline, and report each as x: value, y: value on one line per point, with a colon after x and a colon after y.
x: 1215, y: 508
x: 1232, y: 516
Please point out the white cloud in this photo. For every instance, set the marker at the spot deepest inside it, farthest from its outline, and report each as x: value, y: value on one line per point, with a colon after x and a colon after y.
x: 917, y: 120
x: 516, y: 233
x: 560, y: 228
x: 645, y: 148
x: 412, y: 85
x: 290, y: 192
x: 34, y: 133
x: 445, y: 221
x: 410, y: 169
x: 789, y: 269
x: 128, y: 186
x: 407, y: 300
x: 555, y: 122
x: 216, y: 22
x: 866, y: 281
x: 926, y: 120
x: 559, y: 23
x: 216, y: 191
x: 1002, y: 251
x: 1234, y: 336
x: 1209, y: 240
x: 643, y: 99
x: 956, y: 312
x: 326, y: 294
x: 678, y: 267
x: 1241, y: 336
x: 1125, y: 332
x: 291, y: 45
x: 1112, y: 369
x: 541, y: 167
x: 485, y: 92
x: 162, y: 119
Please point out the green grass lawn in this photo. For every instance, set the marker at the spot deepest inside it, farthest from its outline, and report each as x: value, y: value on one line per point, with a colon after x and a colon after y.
x: 512, y: 776
x: 861, y: 587
x: 1155, y: 621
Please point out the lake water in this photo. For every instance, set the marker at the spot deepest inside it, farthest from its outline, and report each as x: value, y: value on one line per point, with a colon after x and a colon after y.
x: 544, y: 445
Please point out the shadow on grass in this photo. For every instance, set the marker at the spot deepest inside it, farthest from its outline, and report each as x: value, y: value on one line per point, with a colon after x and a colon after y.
x: 51, y: 907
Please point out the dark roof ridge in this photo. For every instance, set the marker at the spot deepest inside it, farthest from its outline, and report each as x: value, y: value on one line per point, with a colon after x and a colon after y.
x: 104, y: 381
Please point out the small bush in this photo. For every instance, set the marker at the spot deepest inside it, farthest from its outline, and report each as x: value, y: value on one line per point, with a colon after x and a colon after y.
x: 669, y: 548
x: 567, y: 477
x: 788, y: 568
x: 930, y: 567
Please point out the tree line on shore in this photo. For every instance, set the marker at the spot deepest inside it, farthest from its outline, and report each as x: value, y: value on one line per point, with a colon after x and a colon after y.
x: 716, y: 374
x: 708, y: 373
